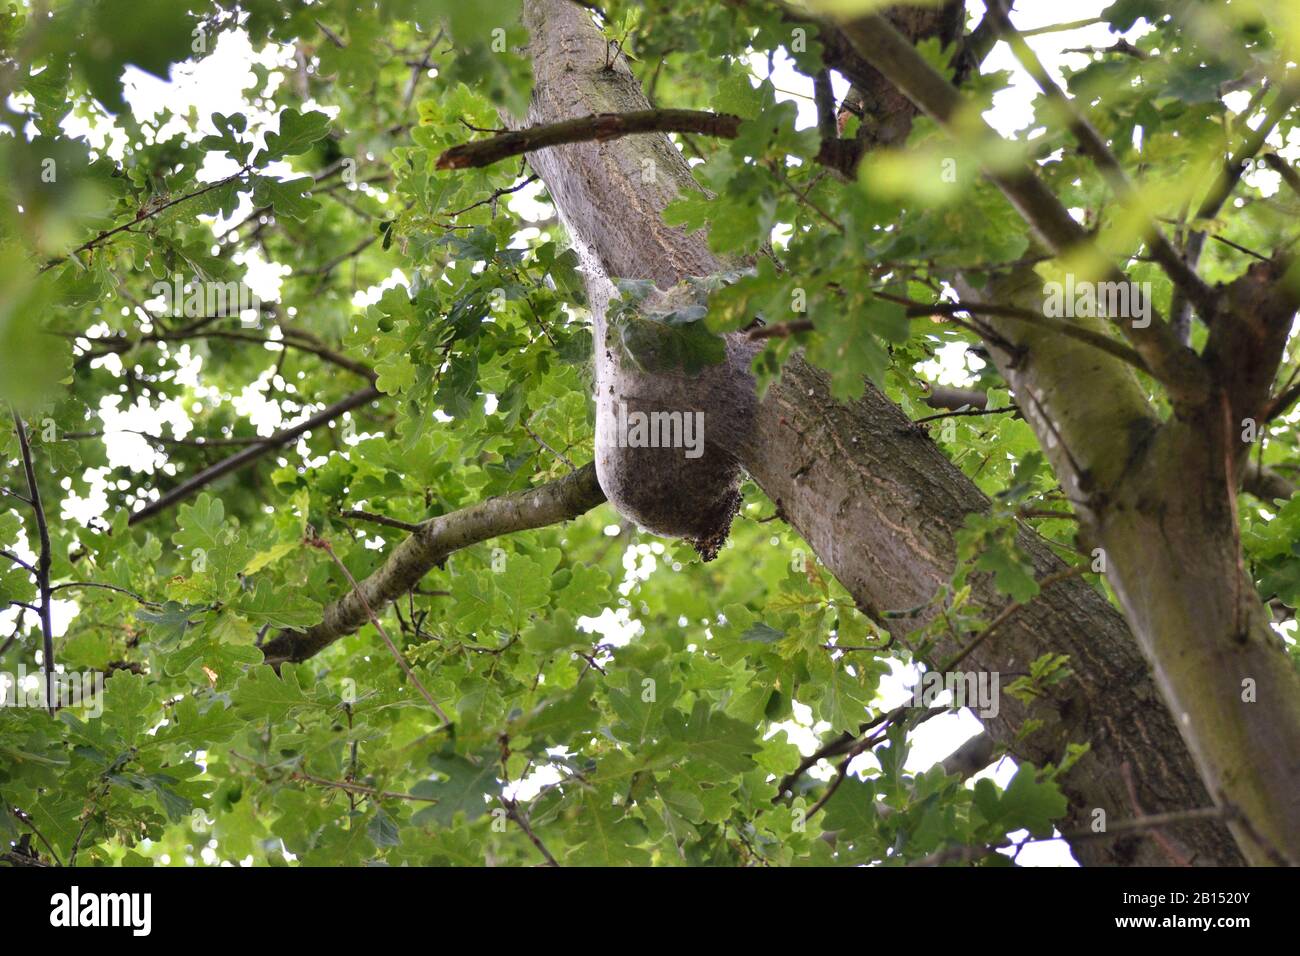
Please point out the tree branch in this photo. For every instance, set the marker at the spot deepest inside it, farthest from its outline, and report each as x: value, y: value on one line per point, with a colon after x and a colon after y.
x: 380, y: 519
x: 1265, y: 483
x: 1087, y: 336
x: 971, y: 757
x: 598, y: 126
x: 1222, y: 189
x: 513, y: 812
x: 1284, y: 401
x: 1180, y: 272
x: 210, y: 474
x: 837, y: 154
x: 293, y: 339
x: 142, y: 215
x: 42, y: 560
x: 1284, y: 169
x: 4, y: 553
x: 967, y: 854
x: 877, y: 40
x: 1232, y: 170
x: 107, y: 587
x: 429, y: 547
x: 824, y: 96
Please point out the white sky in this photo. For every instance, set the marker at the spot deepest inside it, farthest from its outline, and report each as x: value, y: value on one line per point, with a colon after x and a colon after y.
x: 224, y: 82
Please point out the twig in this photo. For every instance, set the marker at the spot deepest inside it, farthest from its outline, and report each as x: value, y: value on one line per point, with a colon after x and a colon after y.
x: 186, y: 489
x: 512, y: 811
x: 779, y: 331
x: 380, y: 519
x: 414, y: 557
x: 538, y: 438
x: 1002, y: 616
x: 1174, y: 265
x: 26, y: 818
x: 1240, y: 248
x: 106, y: 587
x: 360, y: 788
x: 42, y: 561
x: 496, y: 194
x: 877, y: 40
x: 1087, y: 336
x: 331, y: 35
x: 1226, y: 182
x: 1232, y: 170
x: 1152, y: 822
x: 967, y: 411
x: 1177, y: 857
x: 165, y: 442
x: 293, y: 339
x: 418, y: 68
x: 845, y: 743
x: 318, y: 542
x: 17, y: 560
x: 18, y: 629
x: 142, y: 217
x: 328, y: 267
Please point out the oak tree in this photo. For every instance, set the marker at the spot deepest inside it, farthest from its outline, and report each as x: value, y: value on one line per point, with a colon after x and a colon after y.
x: 508, y: 434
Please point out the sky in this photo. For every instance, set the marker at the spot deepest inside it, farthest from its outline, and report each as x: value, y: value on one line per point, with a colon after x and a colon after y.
x: 224, y: 82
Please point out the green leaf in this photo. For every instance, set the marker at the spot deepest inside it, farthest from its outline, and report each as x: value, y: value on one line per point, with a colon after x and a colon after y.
x: 291, y: 198
x: 261, y: 694
x: 467, y: 785
x: 298, y: 131
x: 279, y: 607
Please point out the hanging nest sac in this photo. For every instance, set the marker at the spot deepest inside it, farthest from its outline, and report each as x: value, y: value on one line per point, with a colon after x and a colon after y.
x: 672, y: 397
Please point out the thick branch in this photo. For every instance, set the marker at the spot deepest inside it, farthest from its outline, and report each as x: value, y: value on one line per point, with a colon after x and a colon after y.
x: 877, y: 40
x: 429, y: 547
x: 1284, y: 169
x: 1221, y: 189
x: 1180, y: 272
x: 1244, y: 353
x: 1098, y: 340
x: 971, y: 757
x: 1265, y: 483
x: 599, y: 127
x: 1232, y: 170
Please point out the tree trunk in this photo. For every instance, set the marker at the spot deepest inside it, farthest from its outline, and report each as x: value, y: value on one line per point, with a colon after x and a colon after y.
x: 1158, y: 491
x: 1159, y: 499
x: 1175, y: 555
x: 875, y: 499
